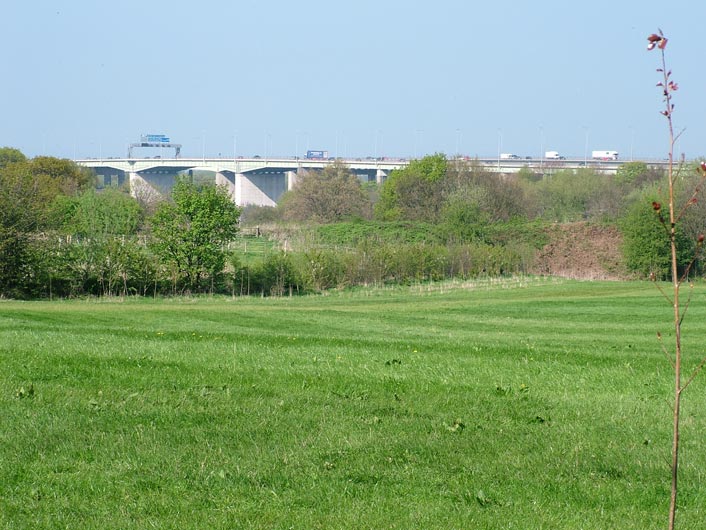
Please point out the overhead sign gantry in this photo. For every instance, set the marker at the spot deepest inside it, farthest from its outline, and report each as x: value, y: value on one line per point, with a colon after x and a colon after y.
x: 154, y: 140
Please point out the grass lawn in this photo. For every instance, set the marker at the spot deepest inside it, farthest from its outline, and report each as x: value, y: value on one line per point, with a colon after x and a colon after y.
x: 523, y: 404
x: 253, y: 249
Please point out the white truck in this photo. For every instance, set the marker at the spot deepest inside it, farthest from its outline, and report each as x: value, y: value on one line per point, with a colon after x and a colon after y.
x: 604, y: 155
x: 553, y: 155
x: 508, y: 156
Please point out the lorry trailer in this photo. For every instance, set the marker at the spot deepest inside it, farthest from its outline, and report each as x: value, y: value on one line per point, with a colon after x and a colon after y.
x: 553, y: 155
x: 316, y: 155
x: 604, y: 155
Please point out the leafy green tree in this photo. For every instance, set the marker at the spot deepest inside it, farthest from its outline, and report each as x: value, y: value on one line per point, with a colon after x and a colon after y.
x: 20, y: 199
x: 499, y: 197
x: 645, y: 245
x: 15, y: 262
x: 568, y: 196
x: 30, y: 186
x: 528, y: 175
x: 61, y: 176
x: 97, y: 261
x: 417, y: 198
x: 415, y: 192
x: 463, y: 217
x: 10, y: 155
x: 630, y: 172
x: 693, y: 219
x: 331, y: 195
x: 637, y: 174
x: 21, y: 202
x: 432, y: 167
x: 97, y: 215
x: 190, y: 232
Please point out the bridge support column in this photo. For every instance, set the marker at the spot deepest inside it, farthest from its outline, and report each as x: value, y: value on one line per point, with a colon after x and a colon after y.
x: 142, y: 190
x: 228, y: 180
x: 291, y: 179
x: 380, y: 176
x: 253, y: 189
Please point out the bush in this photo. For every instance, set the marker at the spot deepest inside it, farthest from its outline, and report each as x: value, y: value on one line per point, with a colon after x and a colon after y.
x: 16, y: 262
x: 104, y: 267
x: 253, y: 215
x: 354, y: 233
x: 645, y: 245
x: 320, y: 269
x: 275, y: 275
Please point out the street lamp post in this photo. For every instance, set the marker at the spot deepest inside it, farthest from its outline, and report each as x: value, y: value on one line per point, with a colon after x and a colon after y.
x: 585, y: 148
x: 632, y: 141
x: 377, y: 131
x: 268, y: 144
x: 541, y: 147
x: 417, y: 141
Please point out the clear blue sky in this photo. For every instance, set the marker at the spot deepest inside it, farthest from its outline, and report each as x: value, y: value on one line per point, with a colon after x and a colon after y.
x: 83, y: 78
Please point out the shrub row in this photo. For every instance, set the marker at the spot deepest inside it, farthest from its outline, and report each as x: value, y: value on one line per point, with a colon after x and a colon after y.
x: 377, y: 264
x: 124, y: 266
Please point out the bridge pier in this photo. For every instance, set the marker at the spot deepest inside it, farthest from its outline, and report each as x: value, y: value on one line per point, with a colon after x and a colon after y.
x: 259, y: 189
x: 141, y: 189
x: 380, y: 176
x: 247, y: 188
x: 291, y: 177
x: 227, y: 179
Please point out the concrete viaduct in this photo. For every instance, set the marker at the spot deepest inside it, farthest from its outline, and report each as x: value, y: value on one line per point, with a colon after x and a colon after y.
x: 255, y: 181
x: 261, y: 182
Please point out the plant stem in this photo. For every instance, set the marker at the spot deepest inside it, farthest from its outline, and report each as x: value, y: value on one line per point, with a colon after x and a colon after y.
x: 677, y: 316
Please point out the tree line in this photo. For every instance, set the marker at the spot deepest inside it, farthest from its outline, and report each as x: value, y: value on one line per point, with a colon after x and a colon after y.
x: 465, y: 202
x: 61, y: 237
x: 435, y: 219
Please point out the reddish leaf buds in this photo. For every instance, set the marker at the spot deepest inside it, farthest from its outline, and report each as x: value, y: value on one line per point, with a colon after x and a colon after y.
x: 700, y: 240
x: 657, y: 207
x: 658, y: 41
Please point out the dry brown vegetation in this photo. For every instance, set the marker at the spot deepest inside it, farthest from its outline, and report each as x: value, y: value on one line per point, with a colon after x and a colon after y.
x: 582, y: 251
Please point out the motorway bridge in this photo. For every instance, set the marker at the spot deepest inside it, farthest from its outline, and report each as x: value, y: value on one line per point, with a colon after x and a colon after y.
x: 261, y: 182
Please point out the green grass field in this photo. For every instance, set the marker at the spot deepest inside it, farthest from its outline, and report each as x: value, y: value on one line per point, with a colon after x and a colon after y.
x: 523, y: 404
x: 252, y: 249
